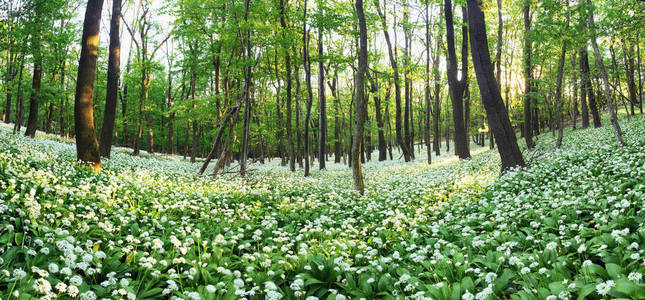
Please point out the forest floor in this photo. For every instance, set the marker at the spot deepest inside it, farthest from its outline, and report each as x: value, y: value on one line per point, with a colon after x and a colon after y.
x: 569, y: 226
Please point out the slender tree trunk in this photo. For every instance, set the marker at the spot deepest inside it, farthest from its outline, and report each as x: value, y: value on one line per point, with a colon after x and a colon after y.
x: 105, y: 145
x: 397, y: 86
x: 87, y: 147
x: 437, y: 98
x: 491, y: 97
x: 247, y: 96
x: 605, y: 79
x: 307, y: 66
x: 629, y: 75
x: 34, y: 98
x: 584, y: 109
x: 558, y: 95
x: 322, y: 104
x: 528, y: 76
x: 587, y: 85
x: 359, y: 185
x: 407, y: 83
x: 287, y: 61
x: 575, y: 89
x: 457, y: 87
x: 19, y: 103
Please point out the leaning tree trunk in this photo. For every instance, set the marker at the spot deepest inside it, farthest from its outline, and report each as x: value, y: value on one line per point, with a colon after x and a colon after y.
x: 491, y: 97
x: 87, y: 147
x: 605, y: 80
x: 360, y: 103
x: 107, y: 129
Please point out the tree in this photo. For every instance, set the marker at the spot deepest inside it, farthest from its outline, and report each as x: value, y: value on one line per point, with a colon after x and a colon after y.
x: 360, y: 103
x: 107, y: 130
x: 397, y: 85
x: 605, y: 78
x: 528, y: 76
x: 34, y: 98
x: 87, y: 148
x: 322, y: 132
x: 491, y: 97
x: 456, y: 86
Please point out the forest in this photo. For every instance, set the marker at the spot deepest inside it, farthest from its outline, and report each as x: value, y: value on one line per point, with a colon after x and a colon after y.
x: 311, y: 149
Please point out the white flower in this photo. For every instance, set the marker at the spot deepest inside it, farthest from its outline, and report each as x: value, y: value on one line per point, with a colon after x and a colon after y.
x: 211, y: 289
x: 582, y: 248
x: 490, y: 277
x: 89, y: 295
x: 53, y: 268
x: 76, y: 280
x: 238, y: 283
x: 635, y: 276
x: 42, y: 286
x: 551, y: 246
x: 467, y: 296
x: 604, y: 287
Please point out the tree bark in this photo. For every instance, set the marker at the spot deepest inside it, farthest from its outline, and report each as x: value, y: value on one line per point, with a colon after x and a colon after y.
x: 397, y: 86
x: 322, y: 134
x: 587, y: 85
x: 457, y: 87
x: 87, y: 147
x: 508, y: 149
x: 528, y: 76
x: 307, y: 66
x: 360, y: 104
x: 287, y: 61
x: 32, y: 121
x: 105, y: 145
x: 605, y: 79
x: 558, y: 95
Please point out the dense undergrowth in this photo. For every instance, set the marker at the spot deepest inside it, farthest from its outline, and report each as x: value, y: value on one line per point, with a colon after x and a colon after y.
x: 570, y: 226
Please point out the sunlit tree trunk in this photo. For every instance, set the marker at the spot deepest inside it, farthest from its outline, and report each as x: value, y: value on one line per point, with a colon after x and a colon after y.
x: 87, y: 147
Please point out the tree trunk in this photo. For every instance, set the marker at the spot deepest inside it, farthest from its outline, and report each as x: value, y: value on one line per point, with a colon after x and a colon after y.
x: 397, y: 86
x: 287, y: 61
x: 491, y: 97
x: 558, y: 95
x: 32, y: 121
x: 586, y: 78
x: 528, y: 77
x: 605, y: 79
x: 322, y: 134
x: 19, y: 103
x: 575, y: 90
x: 457, y: 87
x: 307, y: 66
x: 360, y: 105
x: 437, y: 98
x: 87, y: 147
x: 247, y: 96
x: 105, y: 145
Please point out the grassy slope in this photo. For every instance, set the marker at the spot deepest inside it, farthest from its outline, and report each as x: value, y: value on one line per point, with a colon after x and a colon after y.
x: 441, y: 231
